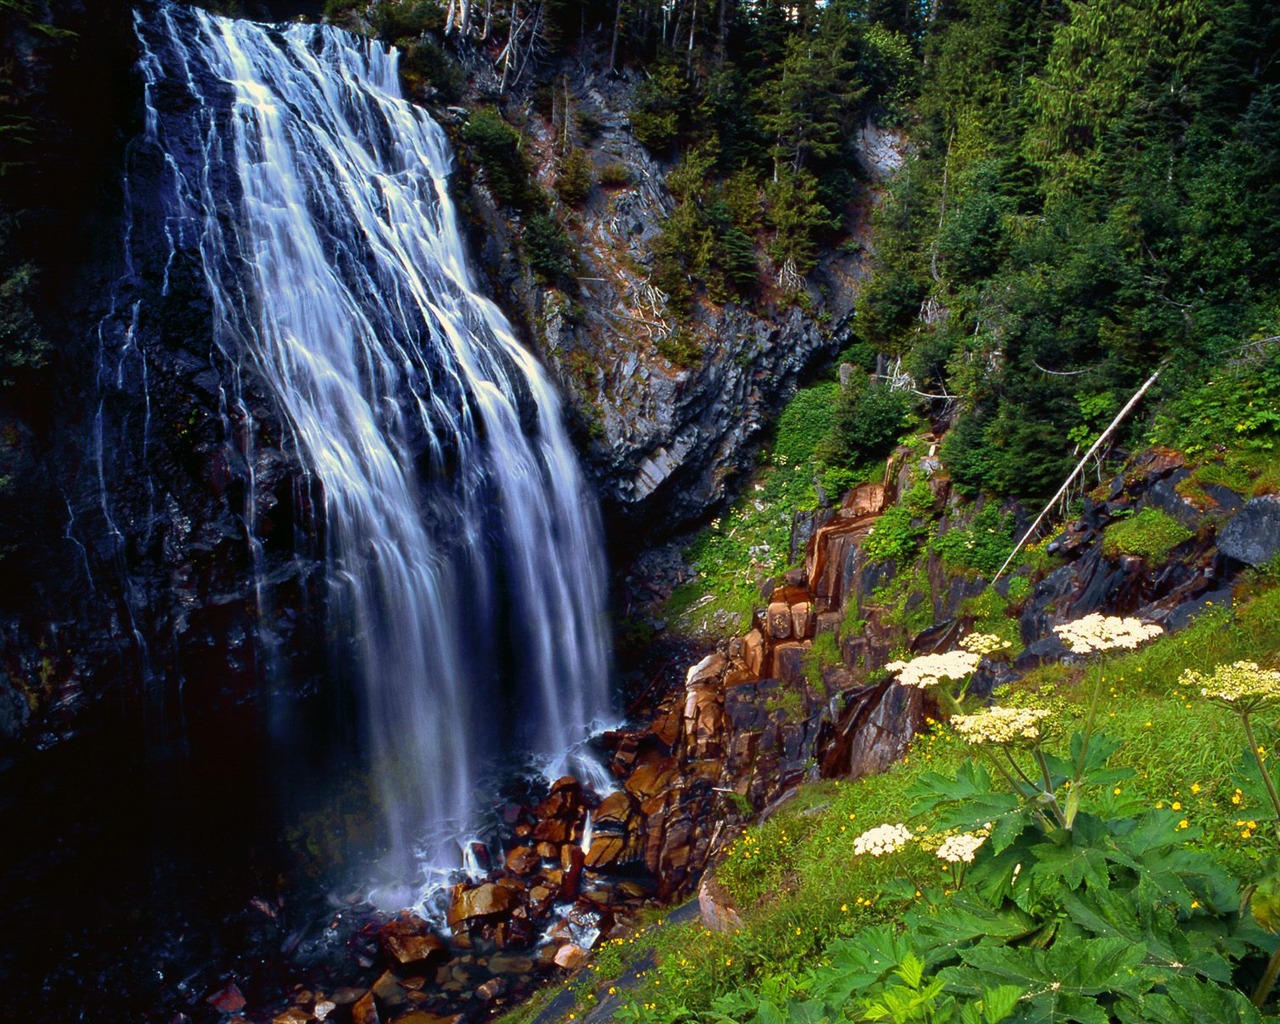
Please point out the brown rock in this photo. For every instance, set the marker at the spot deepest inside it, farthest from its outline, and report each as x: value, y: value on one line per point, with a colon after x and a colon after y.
x: 410, y: 940
x: 293, y: 1015
x: 553, y: 830
x: 571, y: 956
x: 571, y: 860
x: 666, y: 728
x: 491, y: 989
x: 788, y: 663
x: 779, y: 618
x: 522, y: 861
x: 388, y: 989
x: 613, y: 811
x: 228, y: 999
x: 365, y: 1011
x: 625, y: 756
x: 346, y: 995
x: 548, y: 851
x: 802, y: 620
x: 487, y: 900
x: 718, y: 910
x: 541, y: 897
x: 651, y: 779
x: 753, y: 652
x: 703, y: 719
x: 422, y: 1017
x: 547, y: 954
x: 510, y: 964
x: 828, y: 622
x: 564, y: 801
x: 605, y: 851
x: 707, y: 671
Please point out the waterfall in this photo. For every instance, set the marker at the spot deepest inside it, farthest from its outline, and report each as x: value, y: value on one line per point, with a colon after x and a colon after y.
x: 463, y: 551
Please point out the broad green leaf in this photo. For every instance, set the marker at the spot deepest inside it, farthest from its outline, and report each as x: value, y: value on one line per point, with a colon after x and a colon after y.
x: 997, y: 1003
x: 859, y: 962
x: 1190, y: 1001
x: 1071, y: 966
x: 940, y: 933
x: 811, y: 1011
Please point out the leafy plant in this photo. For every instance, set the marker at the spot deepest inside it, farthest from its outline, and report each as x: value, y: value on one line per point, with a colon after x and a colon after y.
x: 982, y: 546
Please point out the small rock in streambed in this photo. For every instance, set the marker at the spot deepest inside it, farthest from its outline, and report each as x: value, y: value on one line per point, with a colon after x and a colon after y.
x: 409, y: 940
x: 228, y: 999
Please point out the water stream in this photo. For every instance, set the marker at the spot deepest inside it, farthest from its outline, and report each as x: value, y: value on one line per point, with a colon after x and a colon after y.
x: 464, y: 559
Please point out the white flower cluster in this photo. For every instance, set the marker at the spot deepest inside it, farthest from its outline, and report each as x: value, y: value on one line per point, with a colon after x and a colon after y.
x: 931, y: 669
x: 984, y: 643
x: 882, y: 839
x: 1000, y: 725
x: 1242, y: 685
x: 1097, y: 632
x: 962, y: 847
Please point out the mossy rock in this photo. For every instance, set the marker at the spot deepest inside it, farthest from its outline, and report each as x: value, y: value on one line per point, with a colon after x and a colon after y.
x: 1148, y: 533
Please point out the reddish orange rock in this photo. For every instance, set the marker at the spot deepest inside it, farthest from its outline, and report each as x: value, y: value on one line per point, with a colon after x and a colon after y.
x: 522, y: 860
x: 228, y: 999
x: 365, y: 1011
x: 487, y: 900
x: 410, y: 940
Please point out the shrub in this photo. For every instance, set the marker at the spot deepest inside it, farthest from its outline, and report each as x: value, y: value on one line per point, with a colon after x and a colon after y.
x: 615, y: 175
x: 897, y: 535
x: 495, y: 146
x: 573, y: 182
x: 1238, y: 409
x: 805, y: 422
x: 680, y: 347
x: 980, y: 547
x: 424, y: 63
x: 866, y: 423
x: 661, y: 104
x: 547, y: 248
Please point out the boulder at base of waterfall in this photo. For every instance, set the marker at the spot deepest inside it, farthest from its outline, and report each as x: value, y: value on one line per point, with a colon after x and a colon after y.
x: 614, y: 812
x: 487, y: 900
x: 523, y: 860
x: 228, y: 999
x: 365, y: 1011
x: 409, y: 940
x: 571, y: 956
x: 605, y: 851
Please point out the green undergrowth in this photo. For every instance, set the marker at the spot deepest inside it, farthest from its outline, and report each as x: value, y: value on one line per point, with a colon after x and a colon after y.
x: 829, y: 438
x: 1166, y: 773
x: 1148, y: 533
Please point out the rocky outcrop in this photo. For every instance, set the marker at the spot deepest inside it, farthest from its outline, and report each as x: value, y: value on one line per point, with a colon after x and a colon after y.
x: 664, y: 440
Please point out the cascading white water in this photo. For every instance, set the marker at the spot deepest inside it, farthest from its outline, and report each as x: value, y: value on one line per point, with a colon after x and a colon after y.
x: 463, y: 548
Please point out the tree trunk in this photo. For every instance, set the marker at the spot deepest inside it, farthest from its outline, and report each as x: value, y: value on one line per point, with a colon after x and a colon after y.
x: 617, y: 27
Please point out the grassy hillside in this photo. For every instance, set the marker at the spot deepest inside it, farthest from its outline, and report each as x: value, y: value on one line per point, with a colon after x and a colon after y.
x: 1133, y: 913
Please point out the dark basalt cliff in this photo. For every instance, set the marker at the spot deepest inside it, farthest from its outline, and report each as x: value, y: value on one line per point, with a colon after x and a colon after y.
x: 127, y: 496
x: 665, y: 440
x: 148, y: 547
